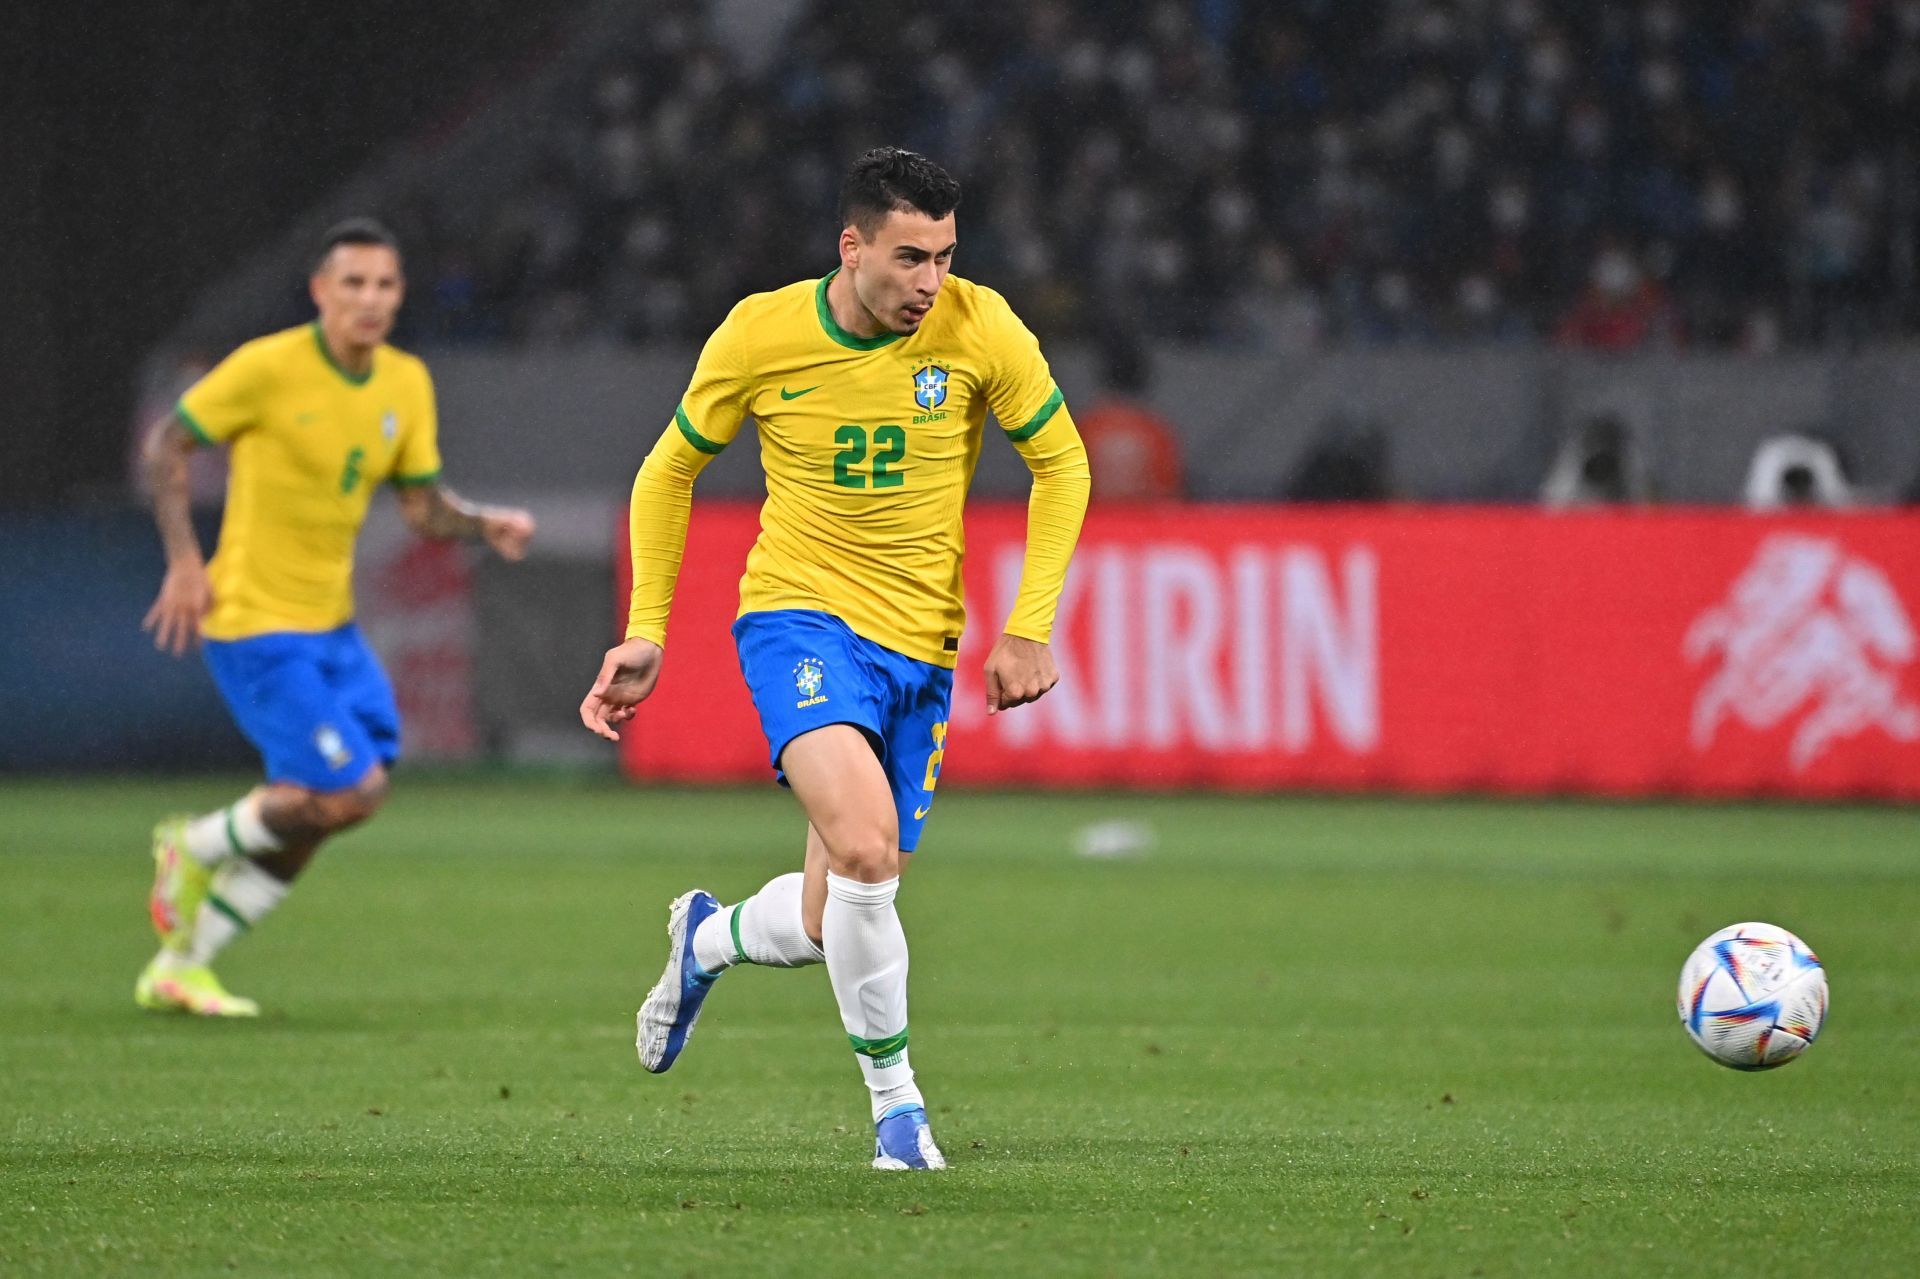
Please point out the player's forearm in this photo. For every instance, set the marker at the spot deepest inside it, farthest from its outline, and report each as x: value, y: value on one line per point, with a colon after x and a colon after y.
x: 164, y: 463
x: 657, y: 521
x: 1062, y: 483
x: 433, y: 510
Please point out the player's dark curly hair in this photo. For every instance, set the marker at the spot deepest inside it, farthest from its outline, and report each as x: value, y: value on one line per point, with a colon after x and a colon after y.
x: 353, y: 231
x: 888, y: 178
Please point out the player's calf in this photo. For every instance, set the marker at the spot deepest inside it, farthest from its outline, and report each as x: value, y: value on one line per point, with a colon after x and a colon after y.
x: 307, y: 818
x: 303, y: 815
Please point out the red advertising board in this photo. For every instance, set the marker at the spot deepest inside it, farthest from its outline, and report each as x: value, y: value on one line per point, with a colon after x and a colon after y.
x: 1711, y: 653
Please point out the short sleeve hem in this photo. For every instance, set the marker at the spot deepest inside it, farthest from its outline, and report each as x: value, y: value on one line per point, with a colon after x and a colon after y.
x: 192, y: 424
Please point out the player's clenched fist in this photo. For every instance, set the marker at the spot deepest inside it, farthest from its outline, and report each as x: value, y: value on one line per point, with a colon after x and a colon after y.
x: 507, y: 530
x: 1018, y: 671
x: 627, y: 676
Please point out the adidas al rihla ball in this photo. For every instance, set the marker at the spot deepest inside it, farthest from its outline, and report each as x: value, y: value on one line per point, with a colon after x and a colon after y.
x: 1753, y: 996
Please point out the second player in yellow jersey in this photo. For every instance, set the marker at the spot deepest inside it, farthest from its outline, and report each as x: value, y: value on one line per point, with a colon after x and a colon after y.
x: 313, y: 420
x: 310, y: 443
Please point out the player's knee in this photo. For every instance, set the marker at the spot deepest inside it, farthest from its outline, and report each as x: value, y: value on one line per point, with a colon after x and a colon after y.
x: 869, y: 855
x: 350, y: 807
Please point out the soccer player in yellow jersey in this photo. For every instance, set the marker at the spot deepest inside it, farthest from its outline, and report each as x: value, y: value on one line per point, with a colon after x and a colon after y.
x: 871, y: 389
x: 314, y: 419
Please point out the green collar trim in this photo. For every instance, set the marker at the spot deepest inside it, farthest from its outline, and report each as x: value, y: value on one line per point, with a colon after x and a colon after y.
x: 839, y: 334
x: 326, y: 353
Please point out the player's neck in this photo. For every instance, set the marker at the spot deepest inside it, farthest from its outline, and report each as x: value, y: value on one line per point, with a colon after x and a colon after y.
x: 847, y: 309
x: 354, y: 361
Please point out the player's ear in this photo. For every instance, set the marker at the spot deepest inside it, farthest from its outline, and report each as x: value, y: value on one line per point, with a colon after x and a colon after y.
x: 849, y: 246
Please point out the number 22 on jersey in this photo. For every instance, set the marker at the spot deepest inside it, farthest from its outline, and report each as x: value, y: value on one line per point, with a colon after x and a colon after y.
x: 890, y: 448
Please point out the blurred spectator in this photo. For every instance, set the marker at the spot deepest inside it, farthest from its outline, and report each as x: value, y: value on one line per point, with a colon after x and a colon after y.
x: 1600, y: 463
x: 1621, y: 309
x: 1797, y: 470
x: 1133, y: 451
x: 1277, y: 176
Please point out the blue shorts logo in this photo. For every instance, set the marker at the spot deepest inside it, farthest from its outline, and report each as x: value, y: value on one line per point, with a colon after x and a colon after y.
x: 809, y: 677
x: 930, y: 387
x: 332, y: 747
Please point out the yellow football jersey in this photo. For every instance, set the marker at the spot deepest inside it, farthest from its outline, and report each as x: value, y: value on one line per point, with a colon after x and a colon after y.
x: 308, y: 443
x: 868, y: 445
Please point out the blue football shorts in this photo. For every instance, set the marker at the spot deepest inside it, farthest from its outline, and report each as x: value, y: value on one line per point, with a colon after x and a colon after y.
x: 806, y: 670
x: 317, y: 706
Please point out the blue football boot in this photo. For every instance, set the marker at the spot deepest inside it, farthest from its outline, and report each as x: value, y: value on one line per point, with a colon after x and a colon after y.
x: 902, y: 1140
x: 673, y: 1005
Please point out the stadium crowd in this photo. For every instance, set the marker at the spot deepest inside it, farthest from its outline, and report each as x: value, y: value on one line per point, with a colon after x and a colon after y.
x: 1726, y: 174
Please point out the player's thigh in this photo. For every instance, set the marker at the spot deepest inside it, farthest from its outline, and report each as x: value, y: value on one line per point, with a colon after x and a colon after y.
x: 277, y: 689
x: 361, y: 686
x: 843, y: 788
x: 804, y: 672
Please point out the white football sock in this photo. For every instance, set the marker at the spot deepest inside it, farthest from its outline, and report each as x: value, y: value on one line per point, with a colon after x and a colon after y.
x: 867, y: 964
x: 225, y: 832
x: 240, y: 897
x: 766, y: 928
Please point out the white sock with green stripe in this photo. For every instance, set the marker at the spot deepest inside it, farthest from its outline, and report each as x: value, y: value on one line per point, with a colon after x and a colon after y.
x: 867, y: 964
x: 766, y: 928
x: 236, y: 830
x: 241, y: 895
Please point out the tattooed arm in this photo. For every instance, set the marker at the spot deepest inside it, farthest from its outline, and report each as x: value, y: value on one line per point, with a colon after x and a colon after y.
x: 433, y: 510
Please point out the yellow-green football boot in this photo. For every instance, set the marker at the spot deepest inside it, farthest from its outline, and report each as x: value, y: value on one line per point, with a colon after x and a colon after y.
x: 167, y: 984
x: 180, y: 884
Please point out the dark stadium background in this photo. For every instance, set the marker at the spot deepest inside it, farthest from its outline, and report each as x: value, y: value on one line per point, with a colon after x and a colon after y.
x: 1432, y: 255
x: 150, y: 145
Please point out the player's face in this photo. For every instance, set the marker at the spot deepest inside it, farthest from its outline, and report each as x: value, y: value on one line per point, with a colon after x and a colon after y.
x: 358, y: 292
x: 897, y: 273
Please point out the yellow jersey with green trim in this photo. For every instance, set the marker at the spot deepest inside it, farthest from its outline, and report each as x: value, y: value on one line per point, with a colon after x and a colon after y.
x: 307, y: 444
x: 868, y: 445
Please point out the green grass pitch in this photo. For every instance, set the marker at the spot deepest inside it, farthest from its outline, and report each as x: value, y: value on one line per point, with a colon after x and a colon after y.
x: 1301, y: 1036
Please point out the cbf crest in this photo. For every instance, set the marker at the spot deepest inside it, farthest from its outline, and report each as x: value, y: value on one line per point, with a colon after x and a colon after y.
x: 930, y: 387
x: 332, y: 747
x: 809, y: 677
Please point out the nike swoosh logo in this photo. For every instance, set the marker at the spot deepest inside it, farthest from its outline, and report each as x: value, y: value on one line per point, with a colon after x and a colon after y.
x: 920, y: 814
x: 785, y: 394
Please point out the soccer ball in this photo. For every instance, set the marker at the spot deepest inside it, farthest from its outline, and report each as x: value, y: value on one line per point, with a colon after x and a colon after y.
x: 1753, y: 996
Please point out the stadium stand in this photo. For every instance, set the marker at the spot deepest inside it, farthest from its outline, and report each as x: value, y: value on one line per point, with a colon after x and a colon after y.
x: 1721, y: 176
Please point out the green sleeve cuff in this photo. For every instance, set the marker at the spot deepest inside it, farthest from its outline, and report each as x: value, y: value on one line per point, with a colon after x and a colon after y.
x: 414, y: 481
x: 1041, y: 418
x: 192, y: 424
